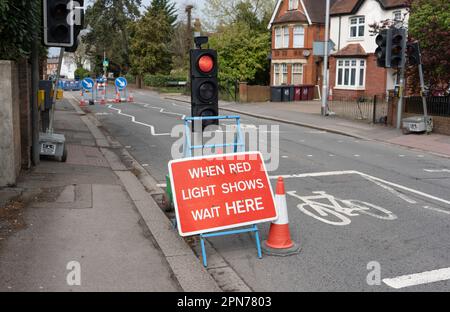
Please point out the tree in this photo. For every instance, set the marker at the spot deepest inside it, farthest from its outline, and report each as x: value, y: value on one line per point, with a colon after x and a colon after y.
x: 18, y: 20
x: 166, y: 8
x: 149, y: 45
x: 227, y: 12
x: 107, y: 22
x: 429, y: 23
x: 243, y: 53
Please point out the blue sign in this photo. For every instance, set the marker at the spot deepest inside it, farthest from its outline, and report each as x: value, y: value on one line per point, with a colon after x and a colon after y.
x: 88, y: 84
x: 121, y: 83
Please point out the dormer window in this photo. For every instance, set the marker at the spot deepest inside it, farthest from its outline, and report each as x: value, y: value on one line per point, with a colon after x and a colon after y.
x: 357, y: 26
x: 293, y: 4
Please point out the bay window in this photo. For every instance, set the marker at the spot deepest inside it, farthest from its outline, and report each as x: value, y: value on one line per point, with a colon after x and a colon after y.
x: 350, y: 73
x: 299, y: 37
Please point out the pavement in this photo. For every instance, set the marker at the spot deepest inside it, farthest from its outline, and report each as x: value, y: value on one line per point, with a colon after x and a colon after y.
x: 308, y: 114
x: 91, y: 218
x: 400, y: 226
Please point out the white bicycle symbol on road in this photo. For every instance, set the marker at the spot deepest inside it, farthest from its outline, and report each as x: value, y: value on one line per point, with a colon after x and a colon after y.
x: 338, y: 211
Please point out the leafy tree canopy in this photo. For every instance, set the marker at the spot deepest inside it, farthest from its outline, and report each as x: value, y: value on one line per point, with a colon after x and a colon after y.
x: 149, y: 45
x: 429, y: 23
x: 18, y: 20
x: 164, y: 7
x: 107, y: 22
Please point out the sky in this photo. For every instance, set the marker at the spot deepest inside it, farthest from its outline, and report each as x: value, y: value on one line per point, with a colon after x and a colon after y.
x: 181, y: 4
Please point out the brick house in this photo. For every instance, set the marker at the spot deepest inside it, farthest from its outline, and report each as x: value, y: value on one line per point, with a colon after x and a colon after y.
x: 295, y: 25
x: 353, y: 68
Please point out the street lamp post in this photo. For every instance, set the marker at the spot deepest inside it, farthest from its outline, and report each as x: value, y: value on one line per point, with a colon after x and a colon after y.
x: 325, y: 81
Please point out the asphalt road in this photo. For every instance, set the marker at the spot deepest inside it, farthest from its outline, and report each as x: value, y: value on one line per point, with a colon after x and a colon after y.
x: 407, y: 191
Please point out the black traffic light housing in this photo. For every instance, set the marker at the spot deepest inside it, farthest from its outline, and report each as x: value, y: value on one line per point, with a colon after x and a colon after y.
x: 398, y: 43
x: 204, y: 85
x: 79, y: 24
x: 413, y: 52
x: 383, y: 51
x: 58, y: 30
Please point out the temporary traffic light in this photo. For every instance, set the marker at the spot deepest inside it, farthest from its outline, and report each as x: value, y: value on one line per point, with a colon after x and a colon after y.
x: 413, y: 52
x: 78, y: 19
x: 382, y: 51
x: 398, y: 44
x: 204, y: 84
x: 58, y: 28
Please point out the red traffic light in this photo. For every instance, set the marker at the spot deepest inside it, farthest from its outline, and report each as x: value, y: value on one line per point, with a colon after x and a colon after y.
x: 206, y: 63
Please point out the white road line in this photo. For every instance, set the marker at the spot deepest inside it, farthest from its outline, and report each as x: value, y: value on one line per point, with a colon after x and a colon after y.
x: 162, y: 110
x: 437, y: 170
x: 133, y: 119
x: 349, y: 172
x: 437, y: 209
x: 418, y: 278
x: 393, y: 191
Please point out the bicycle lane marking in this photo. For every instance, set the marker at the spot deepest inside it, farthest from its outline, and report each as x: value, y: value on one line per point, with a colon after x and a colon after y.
x: 369, y: 177
x: 418, y: 278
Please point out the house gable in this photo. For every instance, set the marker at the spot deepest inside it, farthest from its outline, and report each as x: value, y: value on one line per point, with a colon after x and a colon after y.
x: 350, y: 7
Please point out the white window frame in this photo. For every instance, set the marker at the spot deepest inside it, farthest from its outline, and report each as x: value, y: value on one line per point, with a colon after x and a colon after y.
x: 286, y: 37
x: 394, y: 17
x: 276, y: 74
x: 278, y: 37
x: 350, y: 69
x: 299, y: 32
x: 357, y: 26
x: 284, y: 74
x: 293, y: 5
x: 282, y: 37
x: 297, y: 70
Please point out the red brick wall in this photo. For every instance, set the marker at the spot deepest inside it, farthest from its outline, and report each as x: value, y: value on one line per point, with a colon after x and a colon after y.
x: 376, y: 80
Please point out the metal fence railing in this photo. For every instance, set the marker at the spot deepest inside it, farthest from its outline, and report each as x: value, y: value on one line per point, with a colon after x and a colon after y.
x: 372, y: 109
x: 436, y: 105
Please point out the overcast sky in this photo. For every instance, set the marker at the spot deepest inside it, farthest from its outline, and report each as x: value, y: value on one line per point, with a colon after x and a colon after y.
x: 181, y: 4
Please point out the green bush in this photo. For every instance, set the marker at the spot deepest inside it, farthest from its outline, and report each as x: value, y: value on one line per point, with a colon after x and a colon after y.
x: 82, y: 73
x: 130, y: 78
x: 159, y: 81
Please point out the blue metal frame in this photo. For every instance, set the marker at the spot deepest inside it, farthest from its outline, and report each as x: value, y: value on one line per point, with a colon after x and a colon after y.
x: 239, y: 146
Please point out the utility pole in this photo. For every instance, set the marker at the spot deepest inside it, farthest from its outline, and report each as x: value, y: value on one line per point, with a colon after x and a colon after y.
x: 35, y: 150
x: 189, y: 26
x: 402, y: 83
x: 325, y: 81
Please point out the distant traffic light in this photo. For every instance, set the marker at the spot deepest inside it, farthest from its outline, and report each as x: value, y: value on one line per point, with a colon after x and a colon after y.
x: 413, y: 52
x: 58, y: 29
x: 204, y: 84
x: 381, y: 52
x: 398, y: 43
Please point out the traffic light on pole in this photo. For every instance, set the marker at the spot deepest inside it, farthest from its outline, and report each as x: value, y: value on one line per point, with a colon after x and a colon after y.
x: 204, y: 85
x: 398, y: 43
x: 413, y: 52
x: 78, y: 20
x: 58, y: 28
x: 383, y: 51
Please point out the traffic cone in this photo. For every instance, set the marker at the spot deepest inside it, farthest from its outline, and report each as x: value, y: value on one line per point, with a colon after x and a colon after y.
x: 117, y: 100
x: 103, y: 101
x: 82, y: 103
x: 130, y: 98
x: 280, y: 242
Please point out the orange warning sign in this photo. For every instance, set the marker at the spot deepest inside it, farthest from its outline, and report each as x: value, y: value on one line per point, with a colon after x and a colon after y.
x: 219, y: 192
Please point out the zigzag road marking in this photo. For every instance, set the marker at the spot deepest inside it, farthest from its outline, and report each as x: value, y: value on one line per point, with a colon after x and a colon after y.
x: 162, y: 110
x: 133, y: 119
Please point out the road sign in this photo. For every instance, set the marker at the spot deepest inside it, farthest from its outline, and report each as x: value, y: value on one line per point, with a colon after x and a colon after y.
x: 106, y: 63
x: 88, y: 84
x: 121, y: 83
x: 214, y: 193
